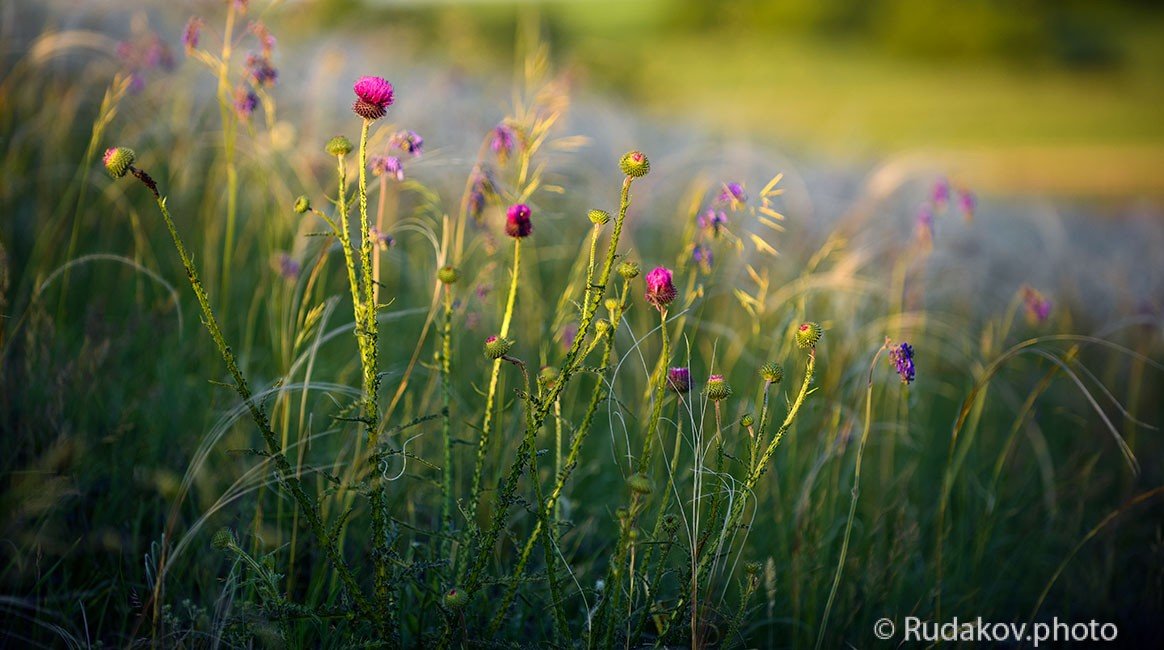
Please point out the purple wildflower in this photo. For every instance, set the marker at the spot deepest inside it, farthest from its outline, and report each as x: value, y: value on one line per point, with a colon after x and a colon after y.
x: 1037, y: 305
x: 679, y: 380
x: 703, y: 257
x: 713, y: 220
x: 482, y: 291
x: 407, y: 141
x: 503, y: 141
x: 245, y: 103
x: 941, y: 192
x: 925, y: 223
x: 967, y: 203
x: 192, y: 33
x: 261, y: 71
x: 264, y: 36
x: 660, y: 288
x: 733, y: 195
x: 288, y: 267
x: 569, y: 333
x: 902, y: 358
x: 391, y: 165
x: 517, y: 221
x: 373, y: 97
x: 382, y: 240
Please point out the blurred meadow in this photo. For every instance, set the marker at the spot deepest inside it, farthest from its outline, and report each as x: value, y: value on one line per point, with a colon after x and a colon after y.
x: 978, y: 181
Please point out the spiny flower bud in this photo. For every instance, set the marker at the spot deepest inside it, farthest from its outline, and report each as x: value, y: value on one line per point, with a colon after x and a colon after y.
x: 497, y: 347
x: 548, y: 375
x: 599, y: 217
x: 634, y: 164
x: 640, y: 484
x: 448, y: 274
x: 752, y: 568
x: 747, y: 420
x: 660, y: 288
x: 670, y: 523
x: 717, y: 388
x: 338, y: 146
x: 679, y: 380
x: 118, y: 160
x: 302, y: 205
x: 807, y: 335
x: 611, y: 304
x: 772, y: 372
x: 223, y: 539
x: 456, y: 598
x: 601, y: 326
x: 628, y: 270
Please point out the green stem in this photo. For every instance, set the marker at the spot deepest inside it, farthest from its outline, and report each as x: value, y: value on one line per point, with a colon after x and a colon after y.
x: 660, y: 386
x: 446, y: 423
x: 852, y: 503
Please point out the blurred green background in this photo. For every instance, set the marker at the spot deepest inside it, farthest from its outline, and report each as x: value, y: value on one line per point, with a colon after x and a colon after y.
x: 1053, y: 97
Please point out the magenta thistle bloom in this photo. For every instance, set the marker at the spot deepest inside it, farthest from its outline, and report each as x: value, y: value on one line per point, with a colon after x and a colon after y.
x: 901, y: 356
x: 940, y: 195
x: 1037, y: 305
x: 967, y: 203
x: 713, y: 220
x: 733, y: 195
x: 261, y: 70
x: 679, y: 380
x: 373, y: 97
x: 517, y: 222
x: 390, y: 165
x: 245, y: 103
x: 407, y: 141
x: 660, y: 288
x: 192, y: 33
x: 503, y: 141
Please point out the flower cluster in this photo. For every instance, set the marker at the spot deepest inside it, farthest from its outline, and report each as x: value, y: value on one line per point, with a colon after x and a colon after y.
x: 732, y: 195
x: 901, y: 356
x: 1038, y: 306
x: 386, y: 165
x: 938, y: 202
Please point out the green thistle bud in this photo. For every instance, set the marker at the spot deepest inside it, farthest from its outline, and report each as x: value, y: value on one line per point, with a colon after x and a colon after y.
x: 640, y: 484
x: 632, y: 535
x: 302, y: 205
x: 752, y: 568
x: 807, y: 335
x: 456, y: 598
x: 611, y: 305
x: 671, y: 523
x: 772, y: 372
x: 448, y: 274
x: 628, y: 270
x: 747, y: 420
x: 635, y: 164
x: 497, y: 347
x: 223, y: 539
x: 599, y: 217
x: 717, y: 388
x: 118, y: 160
x: 602, y: 326
x: 622, y: 514
x: 339, y: 146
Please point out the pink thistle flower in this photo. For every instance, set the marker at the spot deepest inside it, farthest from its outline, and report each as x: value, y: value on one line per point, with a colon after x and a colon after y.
x: 517, y: 221
x: 409, y: 142
x: 679, y: 380
x: 373, y: 97
x: 660, y: 288
x: 391, y: 165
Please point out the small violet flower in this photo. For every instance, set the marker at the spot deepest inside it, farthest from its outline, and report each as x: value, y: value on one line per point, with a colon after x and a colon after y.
x: 407, y: 141
x: 967, y: 203
x: 517, y: 221
x: 245, y: 103
x: 901, y: 356
x: 733, y: 195
x: 925, y: 223
x: 502, y: 142
x: 373, y: 97
x: 390, y: 165
x: 288, y: 267
x: 940, y: 195
x: 703, y: 257
x: 660, y: 288
x: 192, y: 33
x: 261, y: 71
x: 1037, y: 305
x: 713, y: 220
x: 382, y: 240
